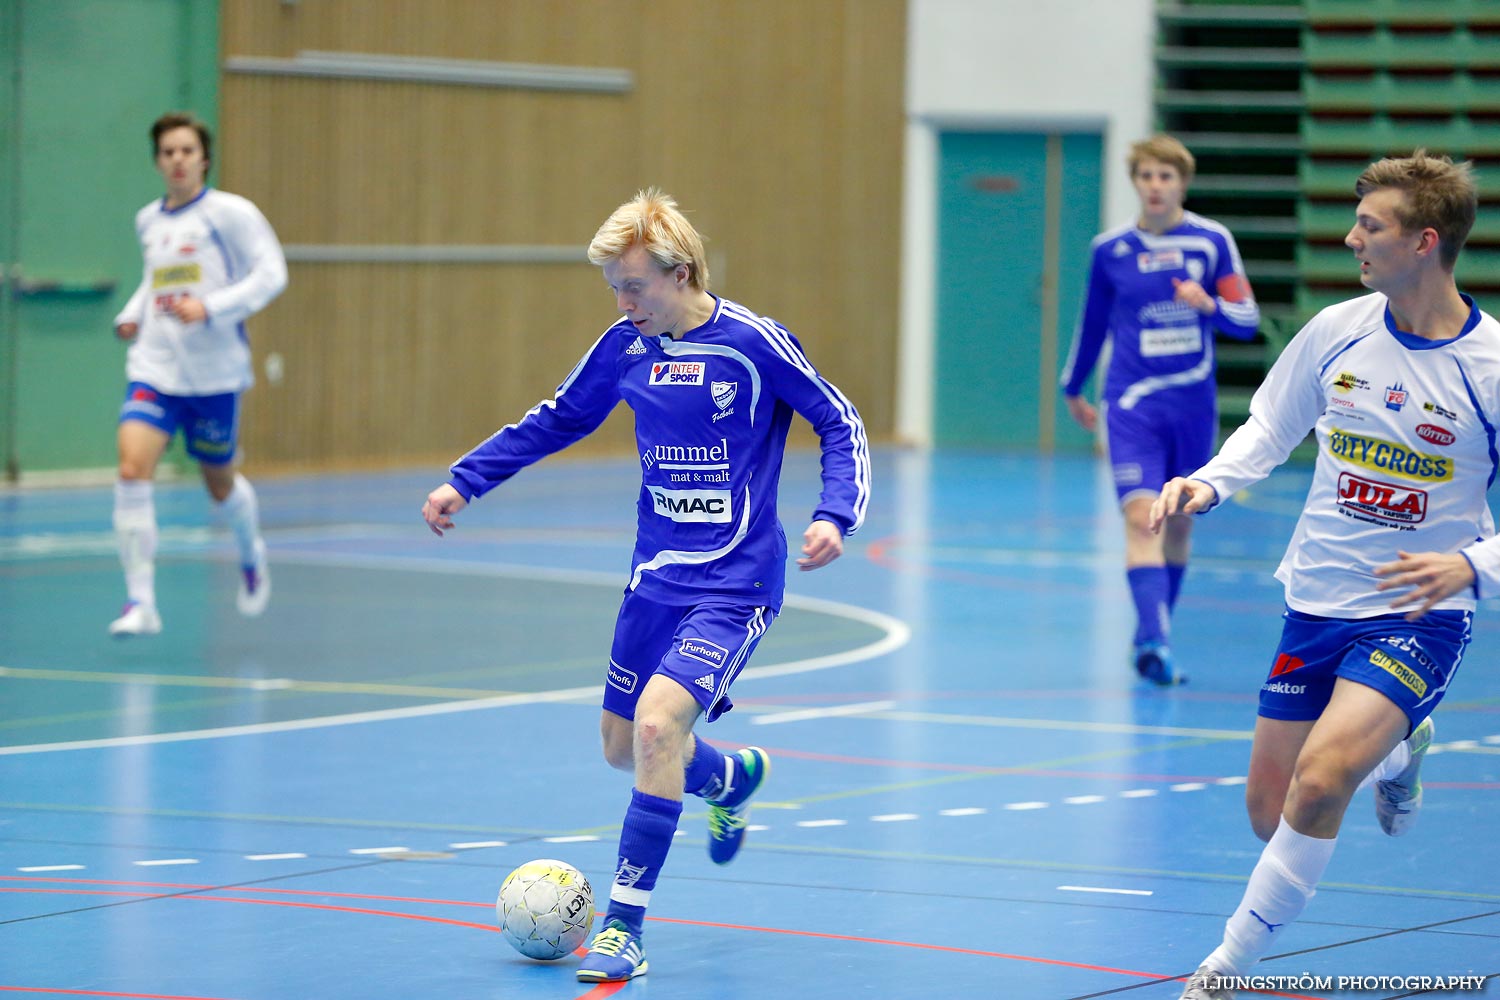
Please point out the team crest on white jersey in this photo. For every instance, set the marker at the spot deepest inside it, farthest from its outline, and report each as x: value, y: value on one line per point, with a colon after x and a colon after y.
x: 636, y: 347
x: 677, y: 373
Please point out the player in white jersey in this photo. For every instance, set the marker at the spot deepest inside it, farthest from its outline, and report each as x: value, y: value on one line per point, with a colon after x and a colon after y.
x: 211, y: 262
x: 1402, y: 389
x: 1159, y: 290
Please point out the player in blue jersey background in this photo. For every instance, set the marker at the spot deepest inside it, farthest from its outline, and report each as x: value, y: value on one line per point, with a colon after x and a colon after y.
x: 713, y: 387
x: 1158, y: 289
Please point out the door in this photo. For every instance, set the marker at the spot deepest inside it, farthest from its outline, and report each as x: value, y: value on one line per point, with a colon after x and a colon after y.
x: 91, y: 77
x: 1016, y: 213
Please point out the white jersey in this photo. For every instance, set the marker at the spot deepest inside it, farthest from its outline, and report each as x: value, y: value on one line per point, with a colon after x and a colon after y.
x: 219, y: 249
x: 1406, y: 432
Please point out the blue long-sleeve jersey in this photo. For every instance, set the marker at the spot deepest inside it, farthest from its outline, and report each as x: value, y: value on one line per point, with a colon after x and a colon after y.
x: 1158, y: 342
x: 712, y: 411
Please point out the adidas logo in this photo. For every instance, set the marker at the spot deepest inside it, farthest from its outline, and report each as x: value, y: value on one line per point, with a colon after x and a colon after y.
x: 636, y: 347
x: 706, y: 682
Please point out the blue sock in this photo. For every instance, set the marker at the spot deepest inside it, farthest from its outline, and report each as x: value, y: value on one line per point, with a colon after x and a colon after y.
x: 1149, y: 588
x: 645, y: 838
x: 705, y: 774
x: 1175, y: 574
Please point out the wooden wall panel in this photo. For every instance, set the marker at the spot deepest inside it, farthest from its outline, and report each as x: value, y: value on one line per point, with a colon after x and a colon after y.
x: 777, y: 124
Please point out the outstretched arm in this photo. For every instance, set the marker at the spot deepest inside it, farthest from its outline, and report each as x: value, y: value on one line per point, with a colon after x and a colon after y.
x: 442, y: 503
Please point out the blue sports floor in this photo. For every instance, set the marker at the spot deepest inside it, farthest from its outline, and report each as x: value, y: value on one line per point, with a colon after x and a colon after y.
x: 972, y: 796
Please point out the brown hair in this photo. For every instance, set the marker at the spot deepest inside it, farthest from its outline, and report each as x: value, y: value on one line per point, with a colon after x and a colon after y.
x: 1440, y: 195
x: 181, y: 119
x: 1164, y: 149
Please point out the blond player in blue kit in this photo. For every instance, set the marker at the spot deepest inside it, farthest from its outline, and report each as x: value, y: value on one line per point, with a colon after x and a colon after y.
x: 714, y: 388
x: 211, y: 261
x: 1402, y: 388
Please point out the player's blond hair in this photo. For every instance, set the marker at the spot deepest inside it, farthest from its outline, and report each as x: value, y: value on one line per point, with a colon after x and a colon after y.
x: 1440, y: 195
x: 1166, y: 149
x: 653, y: 220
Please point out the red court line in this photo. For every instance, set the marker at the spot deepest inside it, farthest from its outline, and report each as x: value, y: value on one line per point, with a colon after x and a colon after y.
x: 594, y: 994
x: 103, y: 993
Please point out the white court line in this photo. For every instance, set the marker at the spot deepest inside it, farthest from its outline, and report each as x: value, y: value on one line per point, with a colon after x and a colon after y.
x: 275, y: 857
x: 379, y: 850
x: 1083, y: 800
x: 166, y: 861
x: 470, y: 845
x: 897, y: 634
x: 1095, y: 888
x: 51, y: 868
x: 823, y: 822
x: 802, y: 715
x: 893, y: 818
x: 578, y: 839
x: 1025, y: 806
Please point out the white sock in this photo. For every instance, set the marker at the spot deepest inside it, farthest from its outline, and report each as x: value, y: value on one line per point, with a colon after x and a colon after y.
x: 1395, y: 762
x: 1284, y: 880
x: 242, y: 511
x: 135, y: 531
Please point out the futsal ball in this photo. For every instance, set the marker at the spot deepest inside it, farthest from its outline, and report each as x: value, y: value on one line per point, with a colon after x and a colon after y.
x: 546, y: 909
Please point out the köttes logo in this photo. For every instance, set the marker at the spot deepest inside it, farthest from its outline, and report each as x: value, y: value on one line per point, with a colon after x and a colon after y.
x: 1435, y: 434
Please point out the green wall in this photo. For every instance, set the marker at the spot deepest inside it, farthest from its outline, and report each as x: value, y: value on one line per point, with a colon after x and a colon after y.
x: 87, y: 79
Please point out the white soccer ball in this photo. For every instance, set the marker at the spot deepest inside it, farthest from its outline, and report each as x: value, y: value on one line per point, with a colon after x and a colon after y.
x: 546, y: 909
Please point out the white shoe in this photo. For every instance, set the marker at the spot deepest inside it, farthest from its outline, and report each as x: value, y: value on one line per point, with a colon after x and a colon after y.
x: 135, y: 619
x: 255, y: 584
x: 1398, y: 800
x: 1206, y: 984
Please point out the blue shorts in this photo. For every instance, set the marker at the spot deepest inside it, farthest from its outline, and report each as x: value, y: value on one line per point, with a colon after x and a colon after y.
x: 210, y: 424
x: 703, y: 647
x: 1411, y: 663
x: 1154, y: 442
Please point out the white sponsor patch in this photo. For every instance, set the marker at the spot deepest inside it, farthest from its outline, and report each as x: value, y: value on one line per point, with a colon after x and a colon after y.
x: 712, y: 506
x: 711, y: 653
x: 621, y: 678
x: 1174, y: 340
x: 1159, y: 260
x: 677, y: 373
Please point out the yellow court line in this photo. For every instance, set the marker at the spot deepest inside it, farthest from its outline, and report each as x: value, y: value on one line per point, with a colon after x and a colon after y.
x: 251, y: 683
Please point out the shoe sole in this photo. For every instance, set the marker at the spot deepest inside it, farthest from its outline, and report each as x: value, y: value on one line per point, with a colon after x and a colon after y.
x: 588, y: 977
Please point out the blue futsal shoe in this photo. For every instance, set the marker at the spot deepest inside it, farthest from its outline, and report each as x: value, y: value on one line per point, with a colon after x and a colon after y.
x: 728, y: 817
x: 1398, y: 800
x: 615, y: 956
x: 1153, y: 661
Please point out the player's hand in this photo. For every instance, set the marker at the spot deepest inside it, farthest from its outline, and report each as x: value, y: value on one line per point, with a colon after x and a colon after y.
x: 442, y: 503
x: 822, y: 543
x: 189, y: 309
x: 1179, y: 496
x: 1192, y: 294
x: 1082, y: 412
x: 1433, y: 577
x: 127, y: 331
